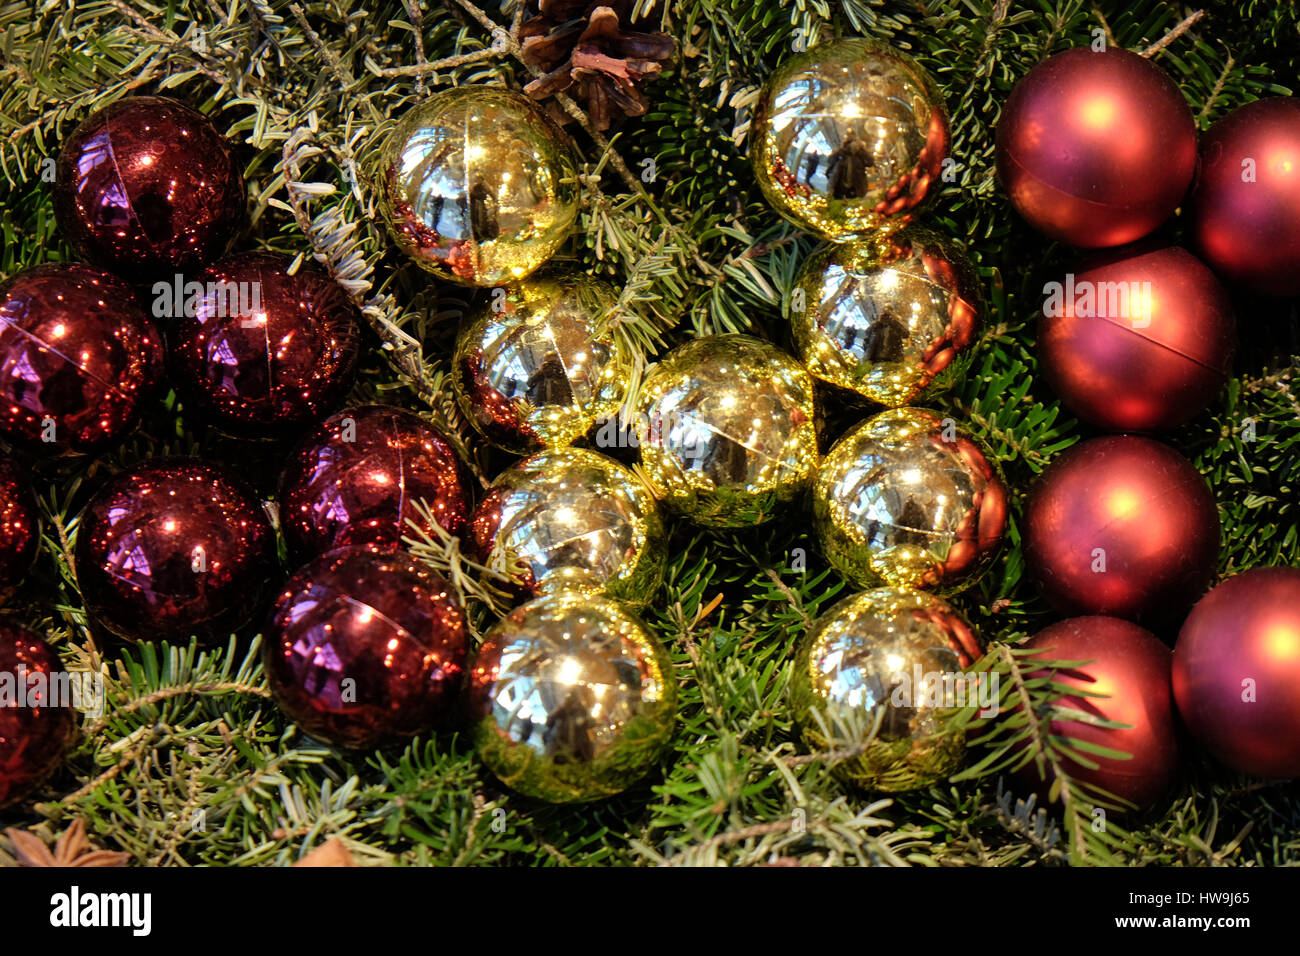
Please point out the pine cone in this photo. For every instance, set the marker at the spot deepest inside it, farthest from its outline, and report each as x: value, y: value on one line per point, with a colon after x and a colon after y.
x: 590, y: 51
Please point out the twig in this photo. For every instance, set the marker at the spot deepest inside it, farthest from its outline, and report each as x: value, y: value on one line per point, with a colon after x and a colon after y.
x: 1173, y: 34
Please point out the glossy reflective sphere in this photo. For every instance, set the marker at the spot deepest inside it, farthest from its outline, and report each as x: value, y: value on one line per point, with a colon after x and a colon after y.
x: 537, y: 368
x: 478, y: 185
x: 908, y: 500
x: 574, y: 520
x: 1096, y: 148
x: 1248, y: 227
x: 891, y: 319
x: 147, y: 185
x: 1130, y: 666
x: 365, y: 647
x: 848, y: 138
x: 20, y: 526
x: 264, y: 351
x: 1237, y: 672
x: 1121, y: 526
x: 356, y: 478
x: 171, y: 548
x: 33, y: 736
x: 78, y: 359
x: 1138, y: 341
x: 896, y: 650
x: 726, y: 428
x: 573, y: 699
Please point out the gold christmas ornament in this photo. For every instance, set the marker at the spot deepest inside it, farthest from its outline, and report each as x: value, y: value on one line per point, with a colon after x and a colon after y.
x: 897, y: 662
x: 478, y: 185
x: 908, y: 499
x: 892, y: 319
x: 572, y: 699
x: 574, y: 520
x: 726, y: 429
x: 533, y: 369
x: 848, y: 138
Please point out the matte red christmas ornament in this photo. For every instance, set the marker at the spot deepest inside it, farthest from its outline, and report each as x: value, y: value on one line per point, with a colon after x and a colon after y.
x: 171, y: 548
x: 34, y: 735
x: 1121, y: 526
x: 1245, y: 207
x: 1096, y: 148
x: 20, y: 527
x: 78, y: 359
x: 355, y: 480
x: 1140, y: 340
x: 1131, y: 667
x: 147, y: 185
x: 1237, y: 672
x: 260, y: 350
x: 365, y: 647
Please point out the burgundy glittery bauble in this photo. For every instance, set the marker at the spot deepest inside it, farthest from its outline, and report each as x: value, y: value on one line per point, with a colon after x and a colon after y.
x: 33, y: 735
x: 264, y: 351
x: 1246, y: 203
x: 147, y: 185
x: 1130, y: 666
x: 1138, y: 340
x: 78, y: 358
x: 171, y: 548
x: 365, y: 647
x: 1237, y: 672
x: 1096, y: 148
x: 20, y: 527
x: 356, y: 477
x: 1122, y: 526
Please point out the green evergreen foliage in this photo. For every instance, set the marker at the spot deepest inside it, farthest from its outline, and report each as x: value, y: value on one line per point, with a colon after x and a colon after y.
x: 192, y: 764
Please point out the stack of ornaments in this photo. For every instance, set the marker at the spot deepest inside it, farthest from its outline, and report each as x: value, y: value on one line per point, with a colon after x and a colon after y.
x: 1098, y: 148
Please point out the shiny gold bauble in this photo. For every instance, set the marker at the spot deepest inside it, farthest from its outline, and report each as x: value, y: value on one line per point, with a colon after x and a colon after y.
x: 572, y: 699
x: 533, y: 369
x: 908, y: 499
x: 897, y: 662
x: 849, y: 138
x: 892, y: 319
x: 478, y: 185
x: 572, y: 519
x: 726, y: 429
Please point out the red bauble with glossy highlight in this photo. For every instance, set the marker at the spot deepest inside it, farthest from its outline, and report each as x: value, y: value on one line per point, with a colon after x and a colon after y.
x: 355, y: 479
x: 171, y: 548
x: 366, y: 647
x: 1245, y: 207
x: 1096, y: 148
x: 147, y: 185
x: 33, y: 735
x: 78, y: 359
x: 1131, y: 666
x: 1237, y: 672
x: 20, y: 527
x: 1140, y: 340
x: 1121, y: 526
x: 265, y: 351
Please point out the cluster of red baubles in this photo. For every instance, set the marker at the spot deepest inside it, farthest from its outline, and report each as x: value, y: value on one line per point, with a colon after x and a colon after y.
x: 1098, y: 149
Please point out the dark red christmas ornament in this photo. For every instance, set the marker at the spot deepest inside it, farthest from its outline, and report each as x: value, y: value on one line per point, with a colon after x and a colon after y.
x: 1245, y: 206
x: 34, y: 735
x: 260, y: 350
x: 78, y: 359
x: 171, y: 548
x: 20, y: 527
x: 355, y: 479
x: 1096, y: 148
x: 1140, y: 340
x: 365, y: 647
x: 1131, y: 666
x: 147, y: 185
x: 1122, y: 526
x: 1237, y: 672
